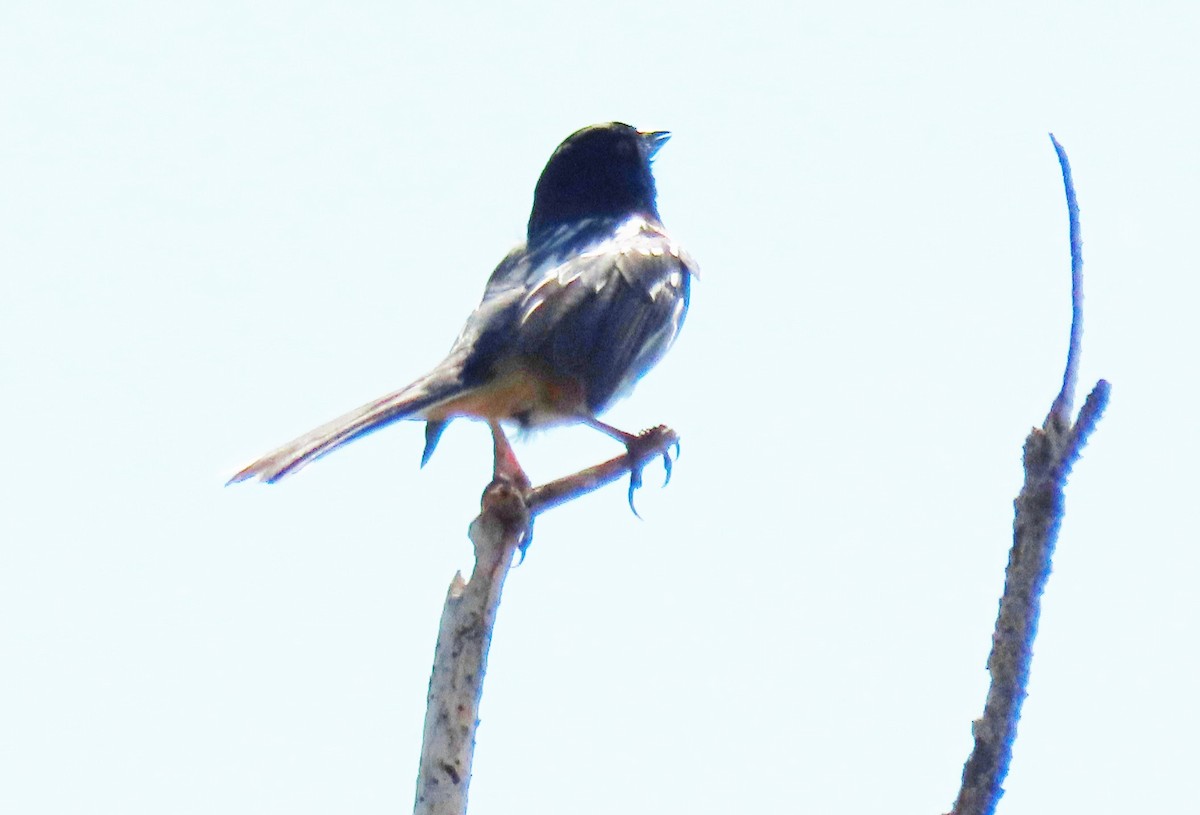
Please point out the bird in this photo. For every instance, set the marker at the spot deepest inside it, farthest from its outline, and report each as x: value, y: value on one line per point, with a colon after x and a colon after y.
x: 568, y: 323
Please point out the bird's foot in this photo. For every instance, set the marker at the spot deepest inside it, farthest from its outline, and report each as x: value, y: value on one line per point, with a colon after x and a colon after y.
x: 503, y: 495
x: 515, y: 478
x: 508, y: 473
x: 642, y: 447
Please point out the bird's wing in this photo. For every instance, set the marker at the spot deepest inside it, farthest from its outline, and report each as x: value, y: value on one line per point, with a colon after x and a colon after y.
x: 608, y: 314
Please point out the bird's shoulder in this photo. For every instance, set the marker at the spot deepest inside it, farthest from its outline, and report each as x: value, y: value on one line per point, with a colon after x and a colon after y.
x: 592, y: 254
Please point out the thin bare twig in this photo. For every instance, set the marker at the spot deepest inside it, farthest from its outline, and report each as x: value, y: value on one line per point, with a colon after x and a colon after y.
x: 1050, y: 451
x: 469, y: 617
x: 1066, y: 395
x: 651, y: 444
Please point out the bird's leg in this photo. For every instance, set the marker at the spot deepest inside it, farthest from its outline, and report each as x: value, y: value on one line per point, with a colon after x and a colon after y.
x: 506, y: 468
x: 506, y: 465
x: 637, y: 445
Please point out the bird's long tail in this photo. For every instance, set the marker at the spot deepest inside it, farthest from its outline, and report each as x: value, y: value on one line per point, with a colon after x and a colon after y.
x: 401, y: 404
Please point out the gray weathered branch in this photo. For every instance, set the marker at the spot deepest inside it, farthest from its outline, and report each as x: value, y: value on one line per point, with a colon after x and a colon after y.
x: 1050, y: 451
x: 469, y: 616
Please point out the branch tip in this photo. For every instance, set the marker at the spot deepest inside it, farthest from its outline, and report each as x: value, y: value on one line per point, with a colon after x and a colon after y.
x: 1049, y: 454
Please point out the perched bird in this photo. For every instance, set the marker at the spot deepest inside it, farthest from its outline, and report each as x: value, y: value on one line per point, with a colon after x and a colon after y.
x: 569, y: 320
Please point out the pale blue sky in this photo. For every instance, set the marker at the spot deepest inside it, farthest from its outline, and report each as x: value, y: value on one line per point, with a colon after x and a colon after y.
x: 223, y: 224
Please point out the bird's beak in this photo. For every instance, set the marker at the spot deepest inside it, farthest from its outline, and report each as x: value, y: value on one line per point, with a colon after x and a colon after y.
x: 654, y: 141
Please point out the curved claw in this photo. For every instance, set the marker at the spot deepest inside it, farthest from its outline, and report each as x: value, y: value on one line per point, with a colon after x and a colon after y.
x: 526, y: 540
x: 635, y: 473
x: 635, y: 481
x: 667, y: 465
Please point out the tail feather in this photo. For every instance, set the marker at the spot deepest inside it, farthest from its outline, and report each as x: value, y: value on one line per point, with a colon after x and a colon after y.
x: 357, y: 423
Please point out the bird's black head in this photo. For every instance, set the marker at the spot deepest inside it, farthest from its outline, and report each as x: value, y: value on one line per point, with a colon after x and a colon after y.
x: 600, y: 171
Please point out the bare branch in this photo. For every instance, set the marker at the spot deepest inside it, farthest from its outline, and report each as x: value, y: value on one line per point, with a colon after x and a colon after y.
x: 1050, y: 452
x: 652, y: 443
x: 469, y: 617
x: 460, y: 657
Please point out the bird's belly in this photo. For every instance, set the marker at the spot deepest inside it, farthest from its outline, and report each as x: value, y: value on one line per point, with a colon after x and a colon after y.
x: 522, y: 393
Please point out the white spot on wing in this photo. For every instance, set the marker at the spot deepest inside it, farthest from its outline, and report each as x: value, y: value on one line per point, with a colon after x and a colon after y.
x: 626, y: 233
